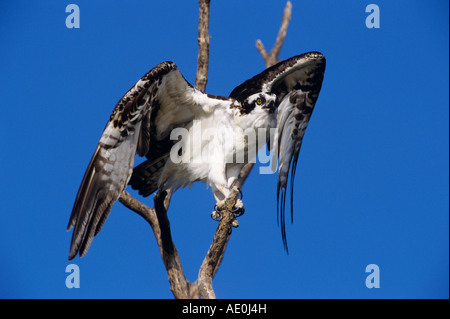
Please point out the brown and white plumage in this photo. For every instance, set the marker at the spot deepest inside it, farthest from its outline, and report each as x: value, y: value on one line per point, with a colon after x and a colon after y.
x: 144, y: 120
x: 296, y: 82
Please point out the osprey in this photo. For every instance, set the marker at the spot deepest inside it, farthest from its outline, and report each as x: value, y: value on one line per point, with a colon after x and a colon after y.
x: 157, y: 118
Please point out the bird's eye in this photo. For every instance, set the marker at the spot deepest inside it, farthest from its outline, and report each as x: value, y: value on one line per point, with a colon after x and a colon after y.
x: 259, y: 101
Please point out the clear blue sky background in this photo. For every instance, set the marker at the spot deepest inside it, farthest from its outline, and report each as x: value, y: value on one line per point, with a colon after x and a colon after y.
x: 371, y: 185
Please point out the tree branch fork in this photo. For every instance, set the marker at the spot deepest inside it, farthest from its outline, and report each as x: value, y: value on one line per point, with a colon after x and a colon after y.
x: 157, y: 216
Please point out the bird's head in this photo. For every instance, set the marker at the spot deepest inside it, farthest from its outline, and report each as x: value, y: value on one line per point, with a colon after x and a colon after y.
x: 259, y: 103
x: 258, y: 110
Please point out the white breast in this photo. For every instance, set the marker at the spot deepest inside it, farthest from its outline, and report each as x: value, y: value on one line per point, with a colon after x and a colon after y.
x: 214, y: 147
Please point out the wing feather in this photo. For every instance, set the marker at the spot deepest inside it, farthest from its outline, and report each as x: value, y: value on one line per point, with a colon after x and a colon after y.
x: 162, y: 98
x: 297, y: 88
x: 292, y: 121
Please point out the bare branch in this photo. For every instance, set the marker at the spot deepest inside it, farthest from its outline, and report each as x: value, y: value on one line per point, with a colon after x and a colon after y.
x: 243, y: 175
x: 157, y: 217
x: 147, y: 213
x: 272, y: 58
x: 216, y: 251
x: 169, y: 253
x: 283, y: 29
x: 262, y: 50
x: 203, y: 46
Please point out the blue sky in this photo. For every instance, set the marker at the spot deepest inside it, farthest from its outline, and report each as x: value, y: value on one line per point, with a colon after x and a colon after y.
x: 372, y: 183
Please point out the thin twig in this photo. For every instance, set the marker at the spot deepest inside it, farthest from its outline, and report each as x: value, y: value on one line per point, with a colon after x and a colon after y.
x: 272, y: 57
x: 201, y: 77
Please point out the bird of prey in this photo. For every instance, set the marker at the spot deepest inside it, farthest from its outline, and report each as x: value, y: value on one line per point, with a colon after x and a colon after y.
x: 150, y: 119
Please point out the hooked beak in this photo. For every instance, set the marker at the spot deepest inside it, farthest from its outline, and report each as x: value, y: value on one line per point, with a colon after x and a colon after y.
x: 270, y: 107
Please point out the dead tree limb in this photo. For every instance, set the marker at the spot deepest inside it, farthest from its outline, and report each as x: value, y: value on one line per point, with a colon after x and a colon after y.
x: 216, y: 251
x: 272, y: 57
x: 157, y: 216
x: 159, y: 222
x: 201, y: 77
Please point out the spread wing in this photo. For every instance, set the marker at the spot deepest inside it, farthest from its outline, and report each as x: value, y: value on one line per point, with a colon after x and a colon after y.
x: 298, y: 88
x: 292, y: 120
x: 140, y: 123
x: 296, y: 82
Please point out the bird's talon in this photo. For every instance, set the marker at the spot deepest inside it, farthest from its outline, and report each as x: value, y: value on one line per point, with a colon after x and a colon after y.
x: 238, y: 208
x: 215, y: 215
x: 238, y: 211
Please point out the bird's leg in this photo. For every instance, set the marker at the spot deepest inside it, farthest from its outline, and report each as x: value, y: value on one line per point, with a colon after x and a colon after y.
x: 239, y: 209
x: 215, y: 214
x: 222, y: 196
